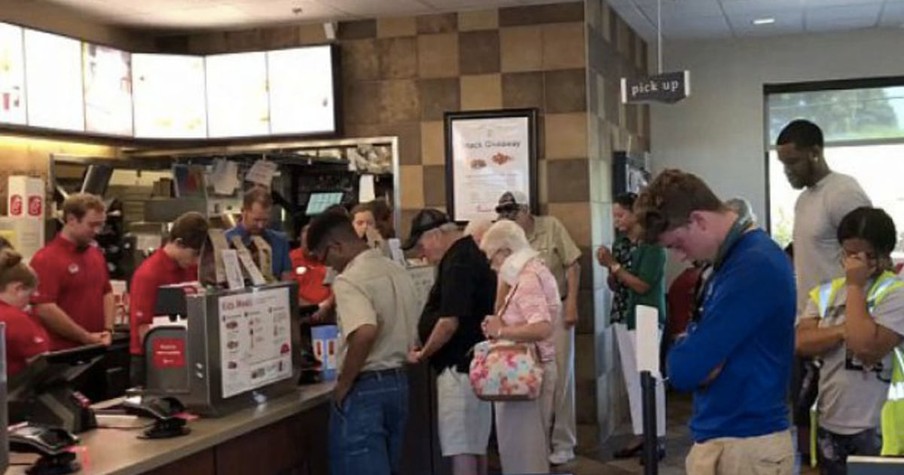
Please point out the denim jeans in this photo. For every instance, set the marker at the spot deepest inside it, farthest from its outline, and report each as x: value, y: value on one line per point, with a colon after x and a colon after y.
x: 367, y: 431
x: 833, y: 449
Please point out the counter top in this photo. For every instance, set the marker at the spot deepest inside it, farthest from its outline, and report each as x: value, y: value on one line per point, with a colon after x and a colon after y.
x: 121, y: 452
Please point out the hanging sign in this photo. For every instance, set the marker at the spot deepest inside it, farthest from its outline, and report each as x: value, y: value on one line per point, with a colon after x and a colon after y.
x: 667, y: 88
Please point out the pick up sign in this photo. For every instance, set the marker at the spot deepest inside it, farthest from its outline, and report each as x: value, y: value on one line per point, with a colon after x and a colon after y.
x: 667, y: 88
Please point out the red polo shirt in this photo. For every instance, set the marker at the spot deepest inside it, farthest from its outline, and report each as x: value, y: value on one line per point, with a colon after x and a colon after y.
x: 309, y: 274
x: 156, y: 271
x: 25, y: 337
x: 76, y: 280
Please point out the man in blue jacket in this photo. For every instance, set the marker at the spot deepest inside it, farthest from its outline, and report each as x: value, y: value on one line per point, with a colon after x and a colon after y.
x: 737, y: 356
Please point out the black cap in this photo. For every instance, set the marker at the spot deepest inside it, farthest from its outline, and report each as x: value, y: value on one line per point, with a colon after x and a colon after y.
x: 425, y: 220
x: 510, y: 201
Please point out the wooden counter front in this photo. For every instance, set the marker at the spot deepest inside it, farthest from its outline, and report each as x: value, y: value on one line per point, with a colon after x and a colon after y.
x: 286, y: 434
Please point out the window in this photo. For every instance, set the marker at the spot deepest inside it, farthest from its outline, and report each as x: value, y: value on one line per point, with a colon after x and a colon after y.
x: 863, y: 124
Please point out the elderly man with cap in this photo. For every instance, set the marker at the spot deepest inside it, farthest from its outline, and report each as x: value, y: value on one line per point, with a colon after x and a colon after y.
x: 549, y: 237
x: 463, y: 294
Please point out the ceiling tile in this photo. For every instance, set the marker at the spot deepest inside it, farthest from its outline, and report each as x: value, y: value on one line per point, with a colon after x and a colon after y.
x: 680, y: 9
x: 283, y: 11
x: 372, y: 8
x: 842, y: 17
x: 783, y: 21
x: 892, y: 14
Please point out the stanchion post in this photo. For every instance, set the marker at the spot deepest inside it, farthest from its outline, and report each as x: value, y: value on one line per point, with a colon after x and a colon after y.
x: 650, y: 444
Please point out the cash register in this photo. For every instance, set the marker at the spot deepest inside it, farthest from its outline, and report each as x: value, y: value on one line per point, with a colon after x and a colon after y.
x: 44, y: 393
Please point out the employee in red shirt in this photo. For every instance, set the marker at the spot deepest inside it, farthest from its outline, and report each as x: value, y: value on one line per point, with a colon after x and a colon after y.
x: 74, y: 300
x: 310, y: 274
x: 175, y: 263
x: 25, y: 337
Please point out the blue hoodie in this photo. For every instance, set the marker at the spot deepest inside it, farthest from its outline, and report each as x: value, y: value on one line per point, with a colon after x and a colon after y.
x: 747, y: 327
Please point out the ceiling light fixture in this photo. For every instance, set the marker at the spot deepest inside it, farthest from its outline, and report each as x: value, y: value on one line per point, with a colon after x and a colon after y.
x: 763, y: 21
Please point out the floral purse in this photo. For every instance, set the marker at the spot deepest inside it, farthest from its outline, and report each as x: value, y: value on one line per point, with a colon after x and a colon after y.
x: 504, y: 370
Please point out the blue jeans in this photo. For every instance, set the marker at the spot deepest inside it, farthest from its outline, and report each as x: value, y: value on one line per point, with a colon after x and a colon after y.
x: 834, y: 449
x: 366, y: 433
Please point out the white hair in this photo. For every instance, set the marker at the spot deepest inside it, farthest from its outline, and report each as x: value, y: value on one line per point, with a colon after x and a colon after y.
x: 742, y: 207
x: 478, y: 227
x: 504, y: 235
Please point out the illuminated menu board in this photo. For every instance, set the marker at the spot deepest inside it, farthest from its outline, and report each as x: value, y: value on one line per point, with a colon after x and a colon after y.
x: 12, y: 75
x: 54, y: 81
x: 169, y: 96
x: 301, y: 90
x: 237, y: 101
x: 108, y: 90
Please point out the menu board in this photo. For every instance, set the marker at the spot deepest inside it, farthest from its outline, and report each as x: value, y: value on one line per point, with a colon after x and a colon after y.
x: 255, y: 340
x: 54, y: 81
x: 12, y: 75
x: 301, y: 90
x: 169, y: 96
x: 108, y: 90
x: 237, y: 101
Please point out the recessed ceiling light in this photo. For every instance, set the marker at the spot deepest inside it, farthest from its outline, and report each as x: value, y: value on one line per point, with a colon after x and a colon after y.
x: 763, y: 21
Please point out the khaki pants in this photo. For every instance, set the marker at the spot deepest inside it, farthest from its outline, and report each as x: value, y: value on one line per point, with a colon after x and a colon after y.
x: 522, y: 429
x: 564, y: 431
x: 771, y: 454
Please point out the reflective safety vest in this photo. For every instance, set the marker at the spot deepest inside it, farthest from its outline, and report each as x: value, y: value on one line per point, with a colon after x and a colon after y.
x: 825, y: 294
x: 893, y: 409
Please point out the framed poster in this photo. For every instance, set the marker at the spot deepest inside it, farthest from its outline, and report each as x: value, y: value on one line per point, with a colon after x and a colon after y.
x: 487, y: 154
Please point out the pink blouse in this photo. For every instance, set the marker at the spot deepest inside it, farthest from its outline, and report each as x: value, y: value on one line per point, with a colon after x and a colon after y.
x: 535, y: 299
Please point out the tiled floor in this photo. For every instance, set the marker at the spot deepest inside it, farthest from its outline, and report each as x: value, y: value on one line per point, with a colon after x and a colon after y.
x: 678, y: 440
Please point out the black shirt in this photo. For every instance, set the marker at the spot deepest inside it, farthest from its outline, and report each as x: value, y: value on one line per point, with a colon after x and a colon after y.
x: 465, y: 287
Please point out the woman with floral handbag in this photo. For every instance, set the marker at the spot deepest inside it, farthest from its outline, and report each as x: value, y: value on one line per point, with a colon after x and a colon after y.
x: 522, y: 327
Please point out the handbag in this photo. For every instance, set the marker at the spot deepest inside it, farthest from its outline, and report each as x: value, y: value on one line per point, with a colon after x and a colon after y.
x: 893, y: 411
x: 504, y: 370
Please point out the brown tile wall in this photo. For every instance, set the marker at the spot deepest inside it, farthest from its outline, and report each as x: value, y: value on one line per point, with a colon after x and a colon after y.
x: 615, y: 51
x: 400, y: 75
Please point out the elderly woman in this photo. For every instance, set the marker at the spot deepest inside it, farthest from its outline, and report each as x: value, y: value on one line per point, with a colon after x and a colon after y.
x: 528, y: 315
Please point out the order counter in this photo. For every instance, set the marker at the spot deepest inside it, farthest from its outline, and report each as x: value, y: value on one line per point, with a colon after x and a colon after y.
x: 285, y: 435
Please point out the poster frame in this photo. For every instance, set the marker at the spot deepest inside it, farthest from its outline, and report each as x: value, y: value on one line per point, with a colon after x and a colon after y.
x: 451, y: 119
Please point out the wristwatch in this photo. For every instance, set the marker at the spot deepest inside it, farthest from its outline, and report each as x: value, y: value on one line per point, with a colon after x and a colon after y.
x: 614, y: 268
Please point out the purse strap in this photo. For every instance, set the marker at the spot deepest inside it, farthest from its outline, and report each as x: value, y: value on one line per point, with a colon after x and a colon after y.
x: 505, y: 304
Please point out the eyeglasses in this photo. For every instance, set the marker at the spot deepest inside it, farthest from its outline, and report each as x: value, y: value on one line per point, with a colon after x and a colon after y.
x: 846, y: 254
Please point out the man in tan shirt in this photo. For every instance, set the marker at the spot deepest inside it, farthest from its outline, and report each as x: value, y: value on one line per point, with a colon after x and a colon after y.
x: 549, y: 237
x: 377, y: 317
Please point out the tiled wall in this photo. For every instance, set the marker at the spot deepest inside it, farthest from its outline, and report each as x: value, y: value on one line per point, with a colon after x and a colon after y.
x: 615, y: 51
x: 400, y: 75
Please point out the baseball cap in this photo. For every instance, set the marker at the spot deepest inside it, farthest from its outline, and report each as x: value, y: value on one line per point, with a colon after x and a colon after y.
x: 511, y: 200
x: 425, y: 220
